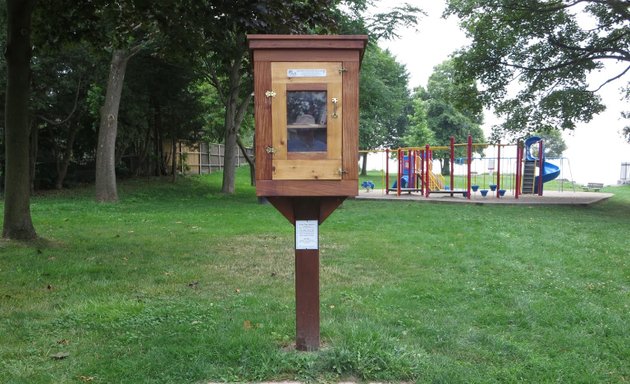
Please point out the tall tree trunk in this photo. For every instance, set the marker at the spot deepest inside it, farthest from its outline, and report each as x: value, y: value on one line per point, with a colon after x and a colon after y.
x: 173, y: 158
x: 106, y: 150
x: 234, y: 114
x: 160, y: 167
x: 66, y: 156
x: 364, y: 164
x: 17, y: 214
x: 445, y: 167
x: 32, y: 154
x: 229, y: 156
x: 142, y: 164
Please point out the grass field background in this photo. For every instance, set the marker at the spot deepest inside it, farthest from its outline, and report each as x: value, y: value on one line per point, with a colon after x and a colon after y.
x: 178, y: 283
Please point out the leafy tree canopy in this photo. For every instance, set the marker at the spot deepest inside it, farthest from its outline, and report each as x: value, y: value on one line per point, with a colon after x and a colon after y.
x: 451, y: 106
x: 446, y: 84
x: 554, y: 143
x: 533, y: 57
x: 354, y: 18
x: 418, y: 132
x: 384, y: 99
x: 447, y: 108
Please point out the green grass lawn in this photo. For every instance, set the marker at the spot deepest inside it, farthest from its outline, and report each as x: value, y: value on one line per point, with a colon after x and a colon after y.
x: 178, y: 283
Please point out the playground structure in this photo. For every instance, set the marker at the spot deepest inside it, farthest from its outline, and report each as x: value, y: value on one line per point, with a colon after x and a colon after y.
x: 624, y: 177
x: 517, y: 169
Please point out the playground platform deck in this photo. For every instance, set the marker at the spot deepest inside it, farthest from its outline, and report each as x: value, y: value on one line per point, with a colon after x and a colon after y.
x: 549, y: 198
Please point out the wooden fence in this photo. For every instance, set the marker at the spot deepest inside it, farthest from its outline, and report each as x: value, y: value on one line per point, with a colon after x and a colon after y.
x: 202, y: 158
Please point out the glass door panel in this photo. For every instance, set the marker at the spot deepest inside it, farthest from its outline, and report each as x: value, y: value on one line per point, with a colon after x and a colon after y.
x: 306, y: 121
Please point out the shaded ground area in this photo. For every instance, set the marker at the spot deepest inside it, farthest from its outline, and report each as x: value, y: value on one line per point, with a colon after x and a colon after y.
x: 549, y: 197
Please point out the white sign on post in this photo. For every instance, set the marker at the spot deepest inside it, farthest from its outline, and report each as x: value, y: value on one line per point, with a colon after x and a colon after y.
x: 306, y: 234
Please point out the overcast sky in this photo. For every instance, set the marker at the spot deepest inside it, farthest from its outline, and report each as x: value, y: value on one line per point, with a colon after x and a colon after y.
x: 595, y: 150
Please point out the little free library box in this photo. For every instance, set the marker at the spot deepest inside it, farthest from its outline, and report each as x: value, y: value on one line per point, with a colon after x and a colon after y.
x: 306, y: 92
x: 306, y: 97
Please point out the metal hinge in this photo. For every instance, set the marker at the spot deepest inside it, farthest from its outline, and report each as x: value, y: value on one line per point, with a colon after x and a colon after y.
x: 342, y: 70
x: 270, y: 150
x: 342, y: 171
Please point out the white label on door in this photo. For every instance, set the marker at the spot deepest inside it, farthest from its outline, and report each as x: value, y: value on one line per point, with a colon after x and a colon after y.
x: 306, y: 72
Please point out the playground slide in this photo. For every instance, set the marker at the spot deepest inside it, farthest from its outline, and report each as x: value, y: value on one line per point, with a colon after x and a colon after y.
x: 528, y: 148
x: 550, y: 172
x: 403, y: 182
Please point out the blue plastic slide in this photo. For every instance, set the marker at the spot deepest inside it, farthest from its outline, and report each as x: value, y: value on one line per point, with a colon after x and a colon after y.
x: 403, y: 182
x: 549, y: 171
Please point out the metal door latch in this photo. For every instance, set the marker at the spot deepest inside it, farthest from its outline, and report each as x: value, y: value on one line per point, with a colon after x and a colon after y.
x: 270, y: 150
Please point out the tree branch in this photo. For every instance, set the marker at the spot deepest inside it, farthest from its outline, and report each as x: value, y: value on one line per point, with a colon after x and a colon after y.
x: 551, y: 7
x: 212, y: 76
x: 250, y: 160
x: 607, y: 46
x: 74, y: 108
x: 620, y: 75
x: 561, y: 65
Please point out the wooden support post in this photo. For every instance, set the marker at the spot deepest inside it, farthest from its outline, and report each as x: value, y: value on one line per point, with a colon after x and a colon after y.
x: 297, y: 210
x: 307, y: 300
x: 307, y: 280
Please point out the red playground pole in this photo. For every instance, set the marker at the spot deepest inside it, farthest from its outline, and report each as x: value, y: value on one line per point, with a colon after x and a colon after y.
x: 411, y: 155
x: 452, y: 164
x: 519, y: 160
x: 429, y: 158
x: 401, y: 161
x: 542, y: 167
x: 422, y: 185
x: 499, y: 169
x: 387, y: 171
x: 469, y: 161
